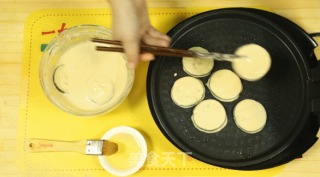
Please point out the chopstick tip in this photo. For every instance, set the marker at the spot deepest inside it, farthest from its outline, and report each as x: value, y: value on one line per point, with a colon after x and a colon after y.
x: 93, y: 39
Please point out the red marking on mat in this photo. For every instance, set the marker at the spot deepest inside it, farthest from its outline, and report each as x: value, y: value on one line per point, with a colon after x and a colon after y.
x: 62, y: 27
x: 189, y: 158
x: 48, y: 32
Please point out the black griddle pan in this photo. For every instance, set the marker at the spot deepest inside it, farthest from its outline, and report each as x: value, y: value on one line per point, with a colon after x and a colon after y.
x: 290, y: 91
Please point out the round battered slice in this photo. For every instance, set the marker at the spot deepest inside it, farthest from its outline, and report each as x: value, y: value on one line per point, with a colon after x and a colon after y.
x: 187, y: 92
x: 250, y: 116
x: 209, y: 116
x: 60, y: 79
x: 197, y: 67
x: 256, y: 67
x: 225, y: 85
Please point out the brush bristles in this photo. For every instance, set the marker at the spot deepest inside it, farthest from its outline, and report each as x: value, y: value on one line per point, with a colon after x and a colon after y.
x: 109, y: 148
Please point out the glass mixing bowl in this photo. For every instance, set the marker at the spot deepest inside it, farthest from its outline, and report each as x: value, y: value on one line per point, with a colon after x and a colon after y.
x: 55, y: 50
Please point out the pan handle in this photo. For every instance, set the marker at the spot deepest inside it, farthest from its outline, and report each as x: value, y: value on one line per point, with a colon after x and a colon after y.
x: 316, y: 77
x: 315, y: 102
x: 314, y: 34
x: 316, y: 70
x: 314, y: 91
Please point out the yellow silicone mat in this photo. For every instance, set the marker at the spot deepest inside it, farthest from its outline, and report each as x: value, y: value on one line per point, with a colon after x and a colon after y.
x: 38, y: 118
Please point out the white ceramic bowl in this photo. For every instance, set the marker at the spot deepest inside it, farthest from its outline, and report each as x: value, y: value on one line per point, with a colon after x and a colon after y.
x: 143, y: 146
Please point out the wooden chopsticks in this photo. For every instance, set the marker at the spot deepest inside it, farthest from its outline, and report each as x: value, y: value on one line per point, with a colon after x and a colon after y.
x: 165, y: 51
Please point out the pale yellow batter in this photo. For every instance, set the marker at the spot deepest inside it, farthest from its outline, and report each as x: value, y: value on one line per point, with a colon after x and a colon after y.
x: 209, y: 116
x: 256, y: 67
x: 187, y: 92
x: 250, y: 116
x: 90, y: 80
x: 225, y: 85
x: 197, y: 67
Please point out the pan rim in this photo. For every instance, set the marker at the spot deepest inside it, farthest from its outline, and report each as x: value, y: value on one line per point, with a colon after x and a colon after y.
x: 175, y: 141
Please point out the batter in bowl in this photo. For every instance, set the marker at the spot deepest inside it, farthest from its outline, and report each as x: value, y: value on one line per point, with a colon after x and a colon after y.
x: 225, y: 85
x: 197, y: 67
x: 187, y: 92
x: 90, y: 80
x: 256, y: 67
x: 209, y: 116
x: 250, y: 116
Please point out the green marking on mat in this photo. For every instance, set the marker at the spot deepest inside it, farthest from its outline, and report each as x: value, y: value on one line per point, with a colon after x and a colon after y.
x: 43, y: 46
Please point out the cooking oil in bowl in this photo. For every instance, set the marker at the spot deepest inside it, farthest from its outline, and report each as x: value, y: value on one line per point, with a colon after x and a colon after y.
x: 132, y: 151
x: 128, y: 147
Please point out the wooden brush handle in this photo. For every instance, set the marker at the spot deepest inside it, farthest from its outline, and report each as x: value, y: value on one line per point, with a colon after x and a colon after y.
x: 38, y: 145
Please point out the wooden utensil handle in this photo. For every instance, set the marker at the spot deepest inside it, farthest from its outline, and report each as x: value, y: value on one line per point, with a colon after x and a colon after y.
x: 38, y: 145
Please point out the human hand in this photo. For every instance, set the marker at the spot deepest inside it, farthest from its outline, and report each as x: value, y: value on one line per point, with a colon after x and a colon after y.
x: 131, y: 25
